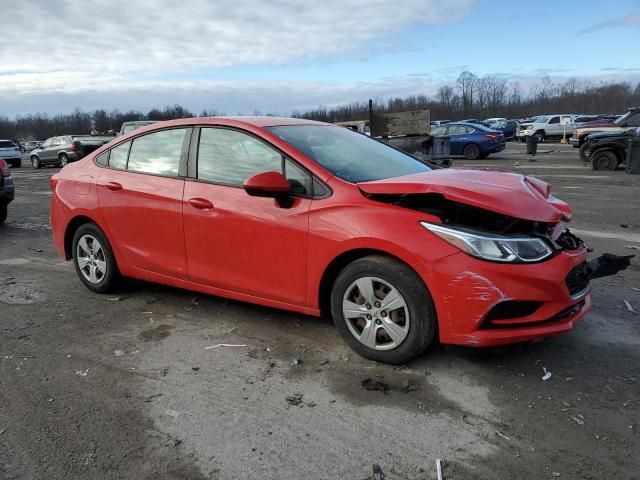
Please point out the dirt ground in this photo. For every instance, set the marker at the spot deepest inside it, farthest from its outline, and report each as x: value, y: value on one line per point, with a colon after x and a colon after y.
x: 123, y: 386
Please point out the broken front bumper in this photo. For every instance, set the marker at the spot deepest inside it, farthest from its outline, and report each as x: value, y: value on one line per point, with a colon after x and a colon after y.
x: 482, y: 303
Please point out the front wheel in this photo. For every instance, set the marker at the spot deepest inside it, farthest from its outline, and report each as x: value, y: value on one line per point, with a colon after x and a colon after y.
x: 93, y: 259
x: 382, y: 310
x: 64, y: 159
x: 604, y: 161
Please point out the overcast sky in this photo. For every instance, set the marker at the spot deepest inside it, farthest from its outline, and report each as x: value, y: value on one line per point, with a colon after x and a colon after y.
x: 237, y: 56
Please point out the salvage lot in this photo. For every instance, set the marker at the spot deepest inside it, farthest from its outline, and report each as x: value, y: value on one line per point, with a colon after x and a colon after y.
x: 123, y: 386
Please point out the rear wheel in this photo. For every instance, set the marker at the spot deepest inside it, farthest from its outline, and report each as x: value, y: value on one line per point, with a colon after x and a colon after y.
x: 63, y: 159
x: 382, y: 310
x: 35, y: 161
x: 471, y: 151
x: 3, y: 213
x: 604, y: 161
x: 93, y: 259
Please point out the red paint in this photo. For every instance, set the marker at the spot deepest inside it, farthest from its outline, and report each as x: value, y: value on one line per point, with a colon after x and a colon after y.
x: 220, y: 240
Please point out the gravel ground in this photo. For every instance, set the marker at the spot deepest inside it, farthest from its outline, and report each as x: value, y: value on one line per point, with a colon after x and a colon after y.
x: 123, y: 386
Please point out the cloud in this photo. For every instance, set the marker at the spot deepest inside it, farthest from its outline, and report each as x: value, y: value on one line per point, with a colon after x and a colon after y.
x: 124, y: 36
x: 631, y: 19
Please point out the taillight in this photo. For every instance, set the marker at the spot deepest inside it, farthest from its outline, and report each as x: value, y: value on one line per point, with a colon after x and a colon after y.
x: 4, y: 168
x: 491, y: 136
x: 54, y: 182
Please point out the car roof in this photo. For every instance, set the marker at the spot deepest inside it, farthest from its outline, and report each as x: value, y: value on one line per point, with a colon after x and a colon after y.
x: 253, y: 121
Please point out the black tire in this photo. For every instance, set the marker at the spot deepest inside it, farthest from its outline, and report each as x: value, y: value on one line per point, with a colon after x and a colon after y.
x: 422, y: 325
x: 17, y: 164
x: 109, y: 280
x: 540, y: 136
x: 3, y: 213
x: 604, y: 161
x: 63, y: 160
x: 471, y: 151
x: 35, y: 161
x: 583, y: 152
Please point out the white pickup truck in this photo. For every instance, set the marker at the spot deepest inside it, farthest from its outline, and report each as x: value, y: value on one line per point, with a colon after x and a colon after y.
x: 548, y: 126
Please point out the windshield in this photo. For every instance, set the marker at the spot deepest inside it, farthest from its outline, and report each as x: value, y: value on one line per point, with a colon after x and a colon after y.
x: 623, y: 118
x: 541, y: 119
x: 349, y: 155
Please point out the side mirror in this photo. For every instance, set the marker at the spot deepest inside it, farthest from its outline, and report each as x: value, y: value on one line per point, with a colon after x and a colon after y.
x: 267, y: 184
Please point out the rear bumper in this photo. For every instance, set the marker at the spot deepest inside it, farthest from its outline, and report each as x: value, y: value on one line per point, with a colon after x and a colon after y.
x: 465, y: 290
x: 497, y: 148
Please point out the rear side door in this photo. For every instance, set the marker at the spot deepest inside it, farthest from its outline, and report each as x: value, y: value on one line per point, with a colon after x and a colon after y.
x: 458, y: 138
x: 240, y: 243
x: 553, y: 126
x: 140, y: 196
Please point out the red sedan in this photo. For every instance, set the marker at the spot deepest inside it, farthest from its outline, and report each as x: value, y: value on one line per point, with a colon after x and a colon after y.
x: 316, y: 218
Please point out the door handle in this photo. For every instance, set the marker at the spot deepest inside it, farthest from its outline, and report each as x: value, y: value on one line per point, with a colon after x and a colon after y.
x: 200, y: 203
x: 113, y: 186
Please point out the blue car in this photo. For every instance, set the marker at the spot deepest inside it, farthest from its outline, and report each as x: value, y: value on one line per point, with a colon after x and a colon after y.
x: 509, y: 128
x: 471, y: 139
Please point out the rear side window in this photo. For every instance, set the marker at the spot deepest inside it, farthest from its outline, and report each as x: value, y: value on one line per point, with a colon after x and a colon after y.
x: 158, y: 153
x: 7, y: 145
x: 555, y: 120
x: 230, y: 157
x: 103, y: 159
x: 634, y: 121
x: 118, y: 156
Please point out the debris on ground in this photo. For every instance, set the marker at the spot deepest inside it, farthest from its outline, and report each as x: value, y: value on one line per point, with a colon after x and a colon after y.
x: 632, y: 247
x: 82, y: 373
x: 324, y: 363
x: 411, y: 385
x: 297, y: 361
x: 172, y: 413
x: 195, y: 301
x: 502, y: 435
x: 118, y: 299
x: 440, y: 464
x: 629, y: 307
x: 555, y: 474
x: 195, y: 369
x: 375, y: 385
x: 2, y: 431
x: 295, y: 399
x: 164, y: 371
x: 118, y: 353
x: 151, y: 397
x: 624, y: 225
x: 378, y: 474
x: 578, y: 420
x: 547, y: 375
x: 223, y: 345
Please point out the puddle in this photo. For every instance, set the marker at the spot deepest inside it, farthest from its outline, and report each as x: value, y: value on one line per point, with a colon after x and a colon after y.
x: 156, y: 334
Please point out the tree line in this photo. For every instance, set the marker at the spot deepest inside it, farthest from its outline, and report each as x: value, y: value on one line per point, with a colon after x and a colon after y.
x: 470, y: 96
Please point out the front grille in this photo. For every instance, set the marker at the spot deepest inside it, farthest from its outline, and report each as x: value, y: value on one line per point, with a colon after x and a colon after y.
x: 577, y: 280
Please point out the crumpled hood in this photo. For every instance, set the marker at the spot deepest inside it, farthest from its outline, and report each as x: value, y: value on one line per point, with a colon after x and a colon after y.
x: 511, y: 194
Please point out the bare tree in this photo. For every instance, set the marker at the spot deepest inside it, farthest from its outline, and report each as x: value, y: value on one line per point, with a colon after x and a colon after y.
x: 467, y: 84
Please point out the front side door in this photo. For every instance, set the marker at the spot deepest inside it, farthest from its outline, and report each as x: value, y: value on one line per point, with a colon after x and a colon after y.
x: 458, y: 138
x: 553, y: 126
x: 47, y: 149
x: 237, y: 242
x: 140, y: 197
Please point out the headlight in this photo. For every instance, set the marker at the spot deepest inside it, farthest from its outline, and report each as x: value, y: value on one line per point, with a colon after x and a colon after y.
x: 496, y: 248
x: 529, y: 127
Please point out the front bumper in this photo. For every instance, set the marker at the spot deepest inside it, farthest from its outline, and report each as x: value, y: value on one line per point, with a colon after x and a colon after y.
x: 467, y: 291
x: 575, y: 143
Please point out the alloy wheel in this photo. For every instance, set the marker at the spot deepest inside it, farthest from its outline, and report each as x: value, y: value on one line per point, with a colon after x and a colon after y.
x: 91, y: 259
x: 376, y: 313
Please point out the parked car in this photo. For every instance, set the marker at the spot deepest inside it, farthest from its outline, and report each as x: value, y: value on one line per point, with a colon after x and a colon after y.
x: 6, y: 190
x: 509, y: 128
x: 132, y: 125
x: 313, y: 218
x: 436, y: 123
x: 494, y: 119
x: 471, y: 140
x: 608, y: 150
x: 11, y: 153
x: 30, y: 145
x: 630, y: 120
x: 547, y: 126
x: 65, y: 149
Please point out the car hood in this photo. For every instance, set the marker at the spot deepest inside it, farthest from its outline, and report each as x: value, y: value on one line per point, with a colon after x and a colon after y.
x: 511, y: 194
x: 608, y: 135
